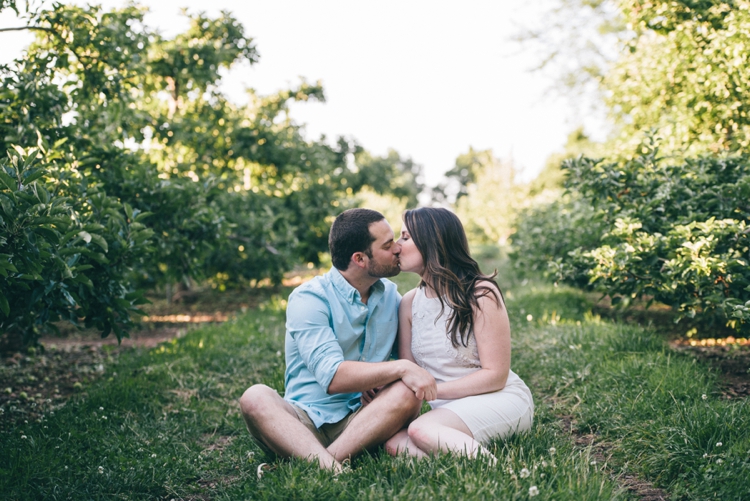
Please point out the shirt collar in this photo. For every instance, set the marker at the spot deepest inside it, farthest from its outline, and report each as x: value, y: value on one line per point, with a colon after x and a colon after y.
x: 347, y: 290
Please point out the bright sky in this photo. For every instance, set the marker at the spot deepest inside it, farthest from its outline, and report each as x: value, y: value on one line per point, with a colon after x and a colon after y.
x: 426, y: 78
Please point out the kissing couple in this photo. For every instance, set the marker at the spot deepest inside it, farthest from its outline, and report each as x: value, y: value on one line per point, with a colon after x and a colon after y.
x: 345, y: 390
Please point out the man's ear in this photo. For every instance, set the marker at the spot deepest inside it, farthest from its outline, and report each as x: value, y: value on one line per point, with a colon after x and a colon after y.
x: 358, y: 258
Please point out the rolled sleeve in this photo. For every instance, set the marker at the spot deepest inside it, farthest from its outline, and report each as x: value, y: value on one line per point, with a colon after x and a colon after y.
x: 309, y: 325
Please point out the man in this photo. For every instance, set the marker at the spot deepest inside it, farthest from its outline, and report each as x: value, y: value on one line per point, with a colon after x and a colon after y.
x: 340, y: 331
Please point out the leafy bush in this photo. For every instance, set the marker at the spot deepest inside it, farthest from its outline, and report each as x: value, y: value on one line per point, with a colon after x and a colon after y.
x: 677, y: 234
x: 546, y: 234
x: 65, y: 250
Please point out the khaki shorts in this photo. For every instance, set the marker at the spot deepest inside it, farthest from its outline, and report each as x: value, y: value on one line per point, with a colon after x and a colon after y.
x: 326, y: 434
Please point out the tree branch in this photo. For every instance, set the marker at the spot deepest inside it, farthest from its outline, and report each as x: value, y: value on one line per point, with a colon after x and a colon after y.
x: 38, y: 28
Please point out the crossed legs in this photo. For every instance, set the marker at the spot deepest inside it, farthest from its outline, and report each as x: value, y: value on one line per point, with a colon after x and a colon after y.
x: 274, y: 420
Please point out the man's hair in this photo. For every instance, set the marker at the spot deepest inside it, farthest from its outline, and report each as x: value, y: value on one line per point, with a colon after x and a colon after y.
x: 350, y: 233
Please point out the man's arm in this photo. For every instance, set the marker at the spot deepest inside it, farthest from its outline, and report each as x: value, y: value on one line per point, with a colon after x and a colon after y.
x: 352, y: 377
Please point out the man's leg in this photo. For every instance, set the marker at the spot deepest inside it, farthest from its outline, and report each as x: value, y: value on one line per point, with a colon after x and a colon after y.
x: 274, y: 420
x: 393, y: 407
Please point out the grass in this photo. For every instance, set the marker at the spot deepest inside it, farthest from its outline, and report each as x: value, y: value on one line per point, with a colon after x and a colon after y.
x: 164, y: 423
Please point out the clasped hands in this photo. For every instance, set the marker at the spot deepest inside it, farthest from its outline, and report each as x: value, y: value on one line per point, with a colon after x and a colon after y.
x: 415, y: 378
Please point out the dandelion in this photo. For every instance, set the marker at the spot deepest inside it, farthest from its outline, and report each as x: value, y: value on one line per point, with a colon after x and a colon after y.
x: 552, y: 450
x: 510, y: 470
x: 719, y: 444
x: 719, y: 461
x: 529, y: 317
x: 704, y: 396
x: 278, y: 353
x: 101, y: 469
x: 153, y: 455
x: 23, y: 437
x: 250, y: 455
x: 101, y: 408
x: 593, y: 462
x: 533, y: 491
x: 104, y: 418
x: 525, y: 473
x: 544, y: 464
x: 705, y: 455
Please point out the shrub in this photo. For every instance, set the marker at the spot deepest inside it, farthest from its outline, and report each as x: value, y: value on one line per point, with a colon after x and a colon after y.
x: 677, y: 234
x: 65, y: 249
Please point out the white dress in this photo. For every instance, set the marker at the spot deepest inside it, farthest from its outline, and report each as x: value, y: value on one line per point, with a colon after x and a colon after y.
x: 488, y: 415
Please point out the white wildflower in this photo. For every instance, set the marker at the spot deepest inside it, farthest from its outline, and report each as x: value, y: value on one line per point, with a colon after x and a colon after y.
x: 101, y: 469
x: 529, y: 317
x: 705, y: 455
x: 23, y: 437
x: 719, y: 444
x: 704, y: 396
x: 153, y: 455
x: 525, y: 473
x: 260, y: 471
x: 552, y: 450
x: 544, y: 464
x: 719, y: 461
x: 533, y: 491
x: 593, y: 462
x: 101, y: 408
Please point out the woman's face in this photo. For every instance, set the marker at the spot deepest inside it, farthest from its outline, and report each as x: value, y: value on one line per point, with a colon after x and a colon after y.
x: 410, y: 259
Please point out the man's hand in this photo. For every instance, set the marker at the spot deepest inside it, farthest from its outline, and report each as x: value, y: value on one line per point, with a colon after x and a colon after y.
x: 418, y: 380
x: 369, y: 395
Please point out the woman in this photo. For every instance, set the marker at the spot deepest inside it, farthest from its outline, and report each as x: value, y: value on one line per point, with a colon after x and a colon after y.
x: 456, y: 327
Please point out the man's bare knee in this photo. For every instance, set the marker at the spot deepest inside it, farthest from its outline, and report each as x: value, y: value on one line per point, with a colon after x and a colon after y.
x: 403, y: 396
x: 257, y: 399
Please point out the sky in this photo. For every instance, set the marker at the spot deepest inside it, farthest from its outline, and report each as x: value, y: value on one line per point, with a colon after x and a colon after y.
x: 428, y: 79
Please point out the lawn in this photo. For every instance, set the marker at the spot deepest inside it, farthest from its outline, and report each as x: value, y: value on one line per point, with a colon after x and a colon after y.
x: 613, y: 401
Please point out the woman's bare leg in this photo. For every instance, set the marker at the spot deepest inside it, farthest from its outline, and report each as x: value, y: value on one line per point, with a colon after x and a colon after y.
x: 441, y: 430
x: 400, y: 443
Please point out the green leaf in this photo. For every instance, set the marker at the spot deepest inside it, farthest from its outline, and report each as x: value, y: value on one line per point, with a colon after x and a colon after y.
x: 143, y: 215
x: 50, y: 235
x: 5, y: 265
x: 100, y: 241
x: 8, y: 181
x: 6, y: 204
x: 4, y: 306
x: 32, y: 175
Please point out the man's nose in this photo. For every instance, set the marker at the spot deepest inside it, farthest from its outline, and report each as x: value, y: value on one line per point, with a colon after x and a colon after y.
x: 397, y: 248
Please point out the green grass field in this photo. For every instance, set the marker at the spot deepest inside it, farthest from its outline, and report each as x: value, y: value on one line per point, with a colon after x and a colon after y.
x: 164, y: 423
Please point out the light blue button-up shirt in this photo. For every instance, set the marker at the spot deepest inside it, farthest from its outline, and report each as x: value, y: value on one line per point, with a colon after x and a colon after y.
x: 326, y: 324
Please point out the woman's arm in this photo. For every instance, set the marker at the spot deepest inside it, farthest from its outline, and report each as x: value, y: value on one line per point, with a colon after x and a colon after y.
x: 492, y: 333
x: 404, y: 326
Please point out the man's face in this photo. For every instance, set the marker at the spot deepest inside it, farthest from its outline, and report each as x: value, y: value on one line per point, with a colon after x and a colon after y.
x: 384, y: 250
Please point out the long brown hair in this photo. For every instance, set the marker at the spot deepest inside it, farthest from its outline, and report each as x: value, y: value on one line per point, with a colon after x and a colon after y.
x: 449, y: 268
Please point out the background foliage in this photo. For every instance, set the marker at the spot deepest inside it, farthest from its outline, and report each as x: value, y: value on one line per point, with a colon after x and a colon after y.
x: 235, y: 193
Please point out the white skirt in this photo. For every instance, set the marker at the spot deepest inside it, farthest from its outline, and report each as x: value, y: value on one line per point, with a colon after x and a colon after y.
x: 494, y: 415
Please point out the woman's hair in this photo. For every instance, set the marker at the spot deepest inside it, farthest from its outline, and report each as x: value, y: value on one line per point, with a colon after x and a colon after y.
x: 449, y: 268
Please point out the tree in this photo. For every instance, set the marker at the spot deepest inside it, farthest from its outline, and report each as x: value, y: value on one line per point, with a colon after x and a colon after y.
x: 233, y: 190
